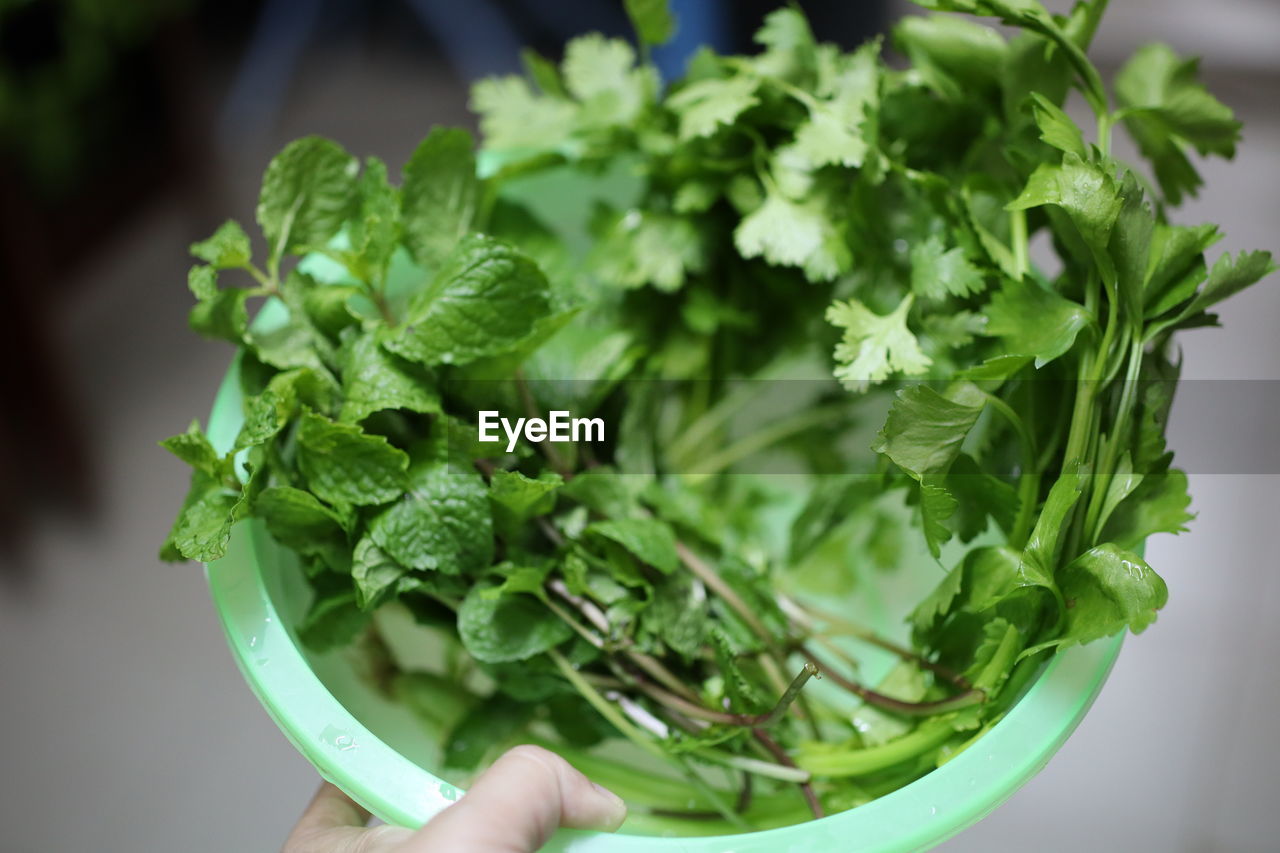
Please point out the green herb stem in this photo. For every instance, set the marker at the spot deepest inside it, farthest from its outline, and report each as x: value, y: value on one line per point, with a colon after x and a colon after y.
x: 899, y: 706
x: 838, y: 624
x: 717, y: 585
x: 780, y: 755
x: 606, y: 708
x: 872, y: 759
x: 1018, y: 236
x: 768, y: 436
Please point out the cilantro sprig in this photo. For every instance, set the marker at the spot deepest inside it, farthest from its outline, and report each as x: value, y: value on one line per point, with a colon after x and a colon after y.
x: 761, y: 215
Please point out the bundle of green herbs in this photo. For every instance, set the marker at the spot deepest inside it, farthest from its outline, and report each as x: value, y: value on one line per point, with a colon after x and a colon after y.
x: 800, y: 213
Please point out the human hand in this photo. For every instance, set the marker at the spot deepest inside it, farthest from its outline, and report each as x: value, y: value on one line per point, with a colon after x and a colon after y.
x: 513, y: 807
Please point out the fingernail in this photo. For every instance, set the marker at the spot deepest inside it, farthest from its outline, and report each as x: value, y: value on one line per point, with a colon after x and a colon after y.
x: 614, y: 813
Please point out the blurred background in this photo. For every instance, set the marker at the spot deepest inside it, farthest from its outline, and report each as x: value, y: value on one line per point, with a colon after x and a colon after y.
x: 130, y: 128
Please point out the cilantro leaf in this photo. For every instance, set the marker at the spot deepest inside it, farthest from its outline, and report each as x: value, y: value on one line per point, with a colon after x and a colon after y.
x: 1108, y: 589
x: 707, y: 105
x: 514, y: 117
x: 1176, y: 266
x: 937, y: 272
x: 1157, y: 504
x: 874, y: 347
x: 924, y: 429
x: 601, y: 73
x: 936, y: 506
x: 650, y: 248
x: 834, y: 134
x: 1168, y: 110
x: 794, y: 234
x: 953, y: 55
x: 1057, y: 128
x: 1088, y: 194
x: 1035, y: 321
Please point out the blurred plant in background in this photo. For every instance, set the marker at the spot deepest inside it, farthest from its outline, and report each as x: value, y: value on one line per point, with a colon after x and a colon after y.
x: 60, y: 63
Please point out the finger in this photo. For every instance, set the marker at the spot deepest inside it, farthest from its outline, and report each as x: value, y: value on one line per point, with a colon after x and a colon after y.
x: 517, y: 804
x: 335, y: 823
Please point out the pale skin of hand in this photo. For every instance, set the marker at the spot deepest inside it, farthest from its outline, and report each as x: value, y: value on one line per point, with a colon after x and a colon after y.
x: 513, y: 807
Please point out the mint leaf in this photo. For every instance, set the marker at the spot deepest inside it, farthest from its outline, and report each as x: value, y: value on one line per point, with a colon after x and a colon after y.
x: 212, y: 506
x: 377, y: 576
x: 442, y: 523
x: 228, y: 248
x: 439, y: 194
x: 602, y: 490
x: 484, y: 300
x: 343, y: 465
x: 299, y: 521
x: 650, y: 540
x: 517, y: 498
x: 375, y: 229
x: 219, y: 314
x: 374, y: 380
x: 334, y: 620
x: 307, y: 193
x: 193, y: 448
x: 484, y: 729
x: 508, y: 627
x: 874, y: 347
x: 677, y: 615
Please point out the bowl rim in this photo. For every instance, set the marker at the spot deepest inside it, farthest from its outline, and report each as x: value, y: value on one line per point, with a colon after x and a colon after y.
x: 398, y: 791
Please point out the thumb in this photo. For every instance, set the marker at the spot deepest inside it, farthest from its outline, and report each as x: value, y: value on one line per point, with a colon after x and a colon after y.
x: 517, y: 804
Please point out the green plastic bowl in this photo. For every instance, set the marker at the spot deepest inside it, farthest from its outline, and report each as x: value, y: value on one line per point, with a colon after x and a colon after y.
x: 378, y: 752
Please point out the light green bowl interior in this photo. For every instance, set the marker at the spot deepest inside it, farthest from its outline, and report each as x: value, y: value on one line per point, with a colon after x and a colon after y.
x: 383, y: 755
